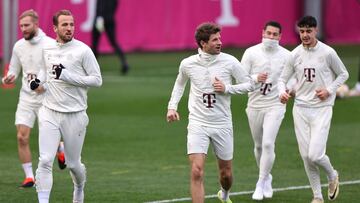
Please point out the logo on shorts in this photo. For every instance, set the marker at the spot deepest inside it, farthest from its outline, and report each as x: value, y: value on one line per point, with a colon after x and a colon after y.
x: 265, y: 88
x: 209, y: 100
x: 309, y: 74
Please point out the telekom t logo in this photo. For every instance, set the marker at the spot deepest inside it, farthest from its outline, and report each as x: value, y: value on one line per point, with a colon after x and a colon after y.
x: 209, y: 100
x: 265, y: 88
x: 309, y: 74
x: 227, y: 18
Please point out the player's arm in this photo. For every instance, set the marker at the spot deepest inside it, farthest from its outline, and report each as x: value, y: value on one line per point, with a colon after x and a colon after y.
x: 177, y: 92
x: 14, y: 69
x: 172, y: 115
x: 92, y: 69
x: 340, y: 71
x: 247, y: 63
x: 244, y: 83
x: 38, y: 83
x: 286, y: 74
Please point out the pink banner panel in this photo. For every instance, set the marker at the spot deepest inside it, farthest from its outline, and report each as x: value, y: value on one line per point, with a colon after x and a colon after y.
x: 155, y: 25
x: 170, y: 24
x: 342, y: 21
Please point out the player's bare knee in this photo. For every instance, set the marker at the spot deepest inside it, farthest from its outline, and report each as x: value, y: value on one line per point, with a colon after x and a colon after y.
x: 23, y: 138
x: 197, y: 172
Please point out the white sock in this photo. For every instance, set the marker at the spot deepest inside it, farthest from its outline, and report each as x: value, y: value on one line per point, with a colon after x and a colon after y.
x: 44, y: 197
x: 78, y: 194
x: 61, y: 147
x: 333, y: 175
x: 260, y: 182
x: 225, y: 194
x: 357, y: 86
x: 27, y: 167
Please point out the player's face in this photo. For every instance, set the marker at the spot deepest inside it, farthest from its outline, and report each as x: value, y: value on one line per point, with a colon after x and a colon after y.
x: 271, y: 33
x: 308, y: 36
x: 213, y: 46
x: 65, y: 28
x: 28, y: 27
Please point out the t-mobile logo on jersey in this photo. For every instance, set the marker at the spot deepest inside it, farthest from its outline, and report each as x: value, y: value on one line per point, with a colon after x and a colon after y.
x: 265, y: 88
x: 309, y: 74
x: 209, y: 100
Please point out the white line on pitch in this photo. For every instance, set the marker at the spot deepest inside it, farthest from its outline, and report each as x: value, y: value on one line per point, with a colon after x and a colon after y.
x: 250, y: 192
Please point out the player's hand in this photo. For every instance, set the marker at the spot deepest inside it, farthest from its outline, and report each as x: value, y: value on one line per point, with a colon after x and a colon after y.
x: 284, y: 97
x: 9, y: 79
x: 262, y: 77
x: 172, y: 115
x: 56, y: 71
x: 34, y: 83
x: 322, y: 93
x: 218, y: 85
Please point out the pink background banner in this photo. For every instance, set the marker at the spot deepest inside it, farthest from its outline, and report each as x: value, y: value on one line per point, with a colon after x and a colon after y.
x: 342, y: 21
x: 155, y: 25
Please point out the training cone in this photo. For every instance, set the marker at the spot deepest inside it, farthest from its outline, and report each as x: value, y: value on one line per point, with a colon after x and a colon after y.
x: 7, y: 86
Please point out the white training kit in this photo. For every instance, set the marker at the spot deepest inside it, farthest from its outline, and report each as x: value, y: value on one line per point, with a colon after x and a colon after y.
x: 64, y: 109
x: 316, y: 67
x: 206, y: 107
x: 264, y: 110
x: 27, y: 57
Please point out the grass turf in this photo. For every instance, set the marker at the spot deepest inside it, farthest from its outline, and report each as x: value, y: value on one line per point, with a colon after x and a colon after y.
x: 133, y: 155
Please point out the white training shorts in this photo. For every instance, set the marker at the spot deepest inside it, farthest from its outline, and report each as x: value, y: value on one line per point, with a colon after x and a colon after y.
x: 199, y: 138
x: 26, y: 114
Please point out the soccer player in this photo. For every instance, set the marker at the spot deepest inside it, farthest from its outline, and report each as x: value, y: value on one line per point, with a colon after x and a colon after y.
x: 209, y: 107
x: 265, y: 112
x: 71, y: 69
x: 319, y: 72
x: 27, y: 57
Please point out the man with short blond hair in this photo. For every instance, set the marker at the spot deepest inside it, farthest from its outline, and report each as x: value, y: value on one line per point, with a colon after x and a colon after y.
x: 27, y: 57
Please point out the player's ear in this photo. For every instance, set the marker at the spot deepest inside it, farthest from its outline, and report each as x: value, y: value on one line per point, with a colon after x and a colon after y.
x: 54, y: 28
x: 203, y: 43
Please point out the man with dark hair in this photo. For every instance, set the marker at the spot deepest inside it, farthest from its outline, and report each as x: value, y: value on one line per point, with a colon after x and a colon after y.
x: 319, y: 72
x: 105, y: 21
x: 27, y: 57
x: 71, y: 69
x: 264, y: 62
x: 209, y: 107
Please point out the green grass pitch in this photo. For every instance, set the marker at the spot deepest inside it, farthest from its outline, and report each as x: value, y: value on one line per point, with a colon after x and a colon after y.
x: 133, y: 155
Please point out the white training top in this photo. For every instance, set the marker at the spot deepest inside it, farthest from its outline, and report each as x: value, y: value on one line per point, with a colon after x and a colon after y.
x: 206, y: 107
x: 316, y: 67
x: 27, y: 56
x: 258, y: 59
x: 69, y: 92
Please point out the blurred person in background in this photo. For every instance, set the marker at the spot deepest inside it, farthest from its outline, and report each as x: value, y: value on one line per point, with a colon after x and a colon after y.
x: 105, y: 21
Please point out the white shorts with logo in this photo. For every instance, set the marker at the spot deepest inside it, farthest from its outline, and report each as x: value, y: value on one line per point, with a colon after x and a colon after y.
x: 26, y: 114
x: 199, y: 138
